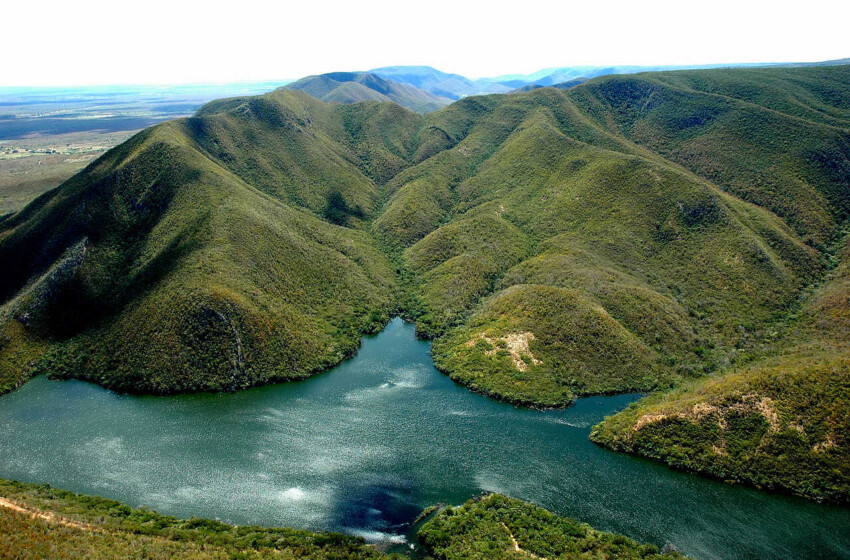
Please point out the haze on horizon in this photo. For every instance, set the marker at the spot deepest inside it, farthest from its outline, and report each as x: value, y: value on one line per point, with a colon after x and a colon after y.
x: 94, y: 42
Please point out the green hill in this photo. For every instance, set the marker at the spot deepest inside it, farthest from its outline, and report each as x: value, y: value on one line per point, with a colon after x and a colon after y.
x: 203, y: 281
x: 38, y: 521
x: 495, y: 527
x: 777, y: 137
x: 617, y: 264
x: 630, y: 233
x: 353, y: 87
x: 780, y: 423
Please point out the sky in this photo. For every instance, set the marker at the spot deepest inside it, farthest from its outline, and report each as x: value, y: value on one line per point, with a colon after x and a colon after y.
x: 94, y: 42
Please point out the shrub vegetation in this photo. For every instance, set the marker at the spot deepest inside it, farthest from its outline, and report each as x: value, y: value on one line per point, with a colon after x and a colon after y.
x: 496, y: 527
x: 57, y: 524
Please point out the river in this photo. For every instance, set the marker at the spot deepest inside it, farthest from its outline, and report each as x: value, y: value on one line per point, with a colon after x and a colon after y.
x: 364, y: 447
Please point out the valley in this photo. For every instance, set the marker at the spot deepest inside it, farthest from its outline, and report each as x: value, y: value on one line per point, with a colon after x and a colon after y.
x: 32, y: 166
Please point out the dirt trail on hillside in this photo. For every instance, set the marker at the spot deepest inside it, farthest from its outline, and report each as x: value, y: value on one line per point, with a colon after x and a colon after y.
x: 45, y: 516
x: 517, y: 548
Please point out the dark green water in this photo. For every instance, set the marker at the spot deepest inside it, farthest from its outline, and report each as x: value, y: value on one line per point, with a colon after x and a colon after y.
x: 364, y: 447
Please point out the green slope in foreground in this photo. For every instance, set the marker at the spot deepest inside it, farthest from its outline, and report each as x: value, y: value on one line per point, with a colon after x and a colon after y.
x: 40, y: 522
x: 496, y: 527
x: 631, y: 233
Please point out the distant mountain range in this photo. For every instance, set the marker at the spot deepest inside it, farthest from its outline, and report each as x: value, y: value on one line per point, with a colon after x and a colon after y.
x: 424, y: 89
x: 455, y: 86
x: 352, y: 87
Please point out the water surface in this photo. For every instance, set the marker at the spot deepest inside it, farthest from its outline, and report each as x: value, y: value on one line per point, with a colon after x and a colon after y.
x: 364, y: 447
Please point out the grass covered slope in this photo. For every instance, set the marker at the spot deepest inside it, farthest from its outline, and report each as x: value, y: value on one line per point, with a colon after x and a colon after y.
x: 542, y: 345
x: 37, y: 521
x: 641, y: 271
x: 601, y: 263
x: 778, y: 138
x: 781, y: 423
x: 496, y: 527
x: 159, y: 269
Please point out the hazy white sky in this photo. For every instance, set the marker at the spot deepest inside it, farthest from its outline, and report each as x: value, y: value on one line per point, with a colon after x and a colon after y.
x: 83, y: 42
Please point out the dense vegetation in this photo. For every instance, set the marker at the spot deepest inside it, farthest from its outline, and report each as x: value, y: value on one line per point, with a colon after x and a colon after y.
x: 629, y: 233
x: 496, y: 527
x: 38, y: 521
x: 781, y: 423
x: 159, y: 269
x: 777, y: 138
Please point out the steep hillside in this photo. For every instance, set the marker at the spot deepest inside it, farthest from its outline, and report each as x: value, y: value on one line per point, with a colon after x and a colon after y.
x: 777, y: 138
x: 630, y: 233
x: 353, y: 87
x: 595, y: 255
x: 781, y: 423
x: 196, y: 256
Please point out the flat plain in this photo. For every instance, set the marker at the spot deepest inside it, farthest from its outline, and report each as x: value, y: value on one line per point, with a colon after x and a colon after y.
x: 49, y: 134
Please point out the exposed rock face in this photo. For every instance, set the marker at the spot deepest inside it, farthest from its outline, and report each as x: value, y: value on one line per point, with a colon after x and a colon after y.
x: 516, y: 345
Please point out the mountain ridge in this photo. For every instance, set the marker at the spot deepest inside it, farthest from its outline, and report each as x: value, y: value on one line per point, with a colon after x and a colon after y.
x: 455, y: 86
x: 353, y: 87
